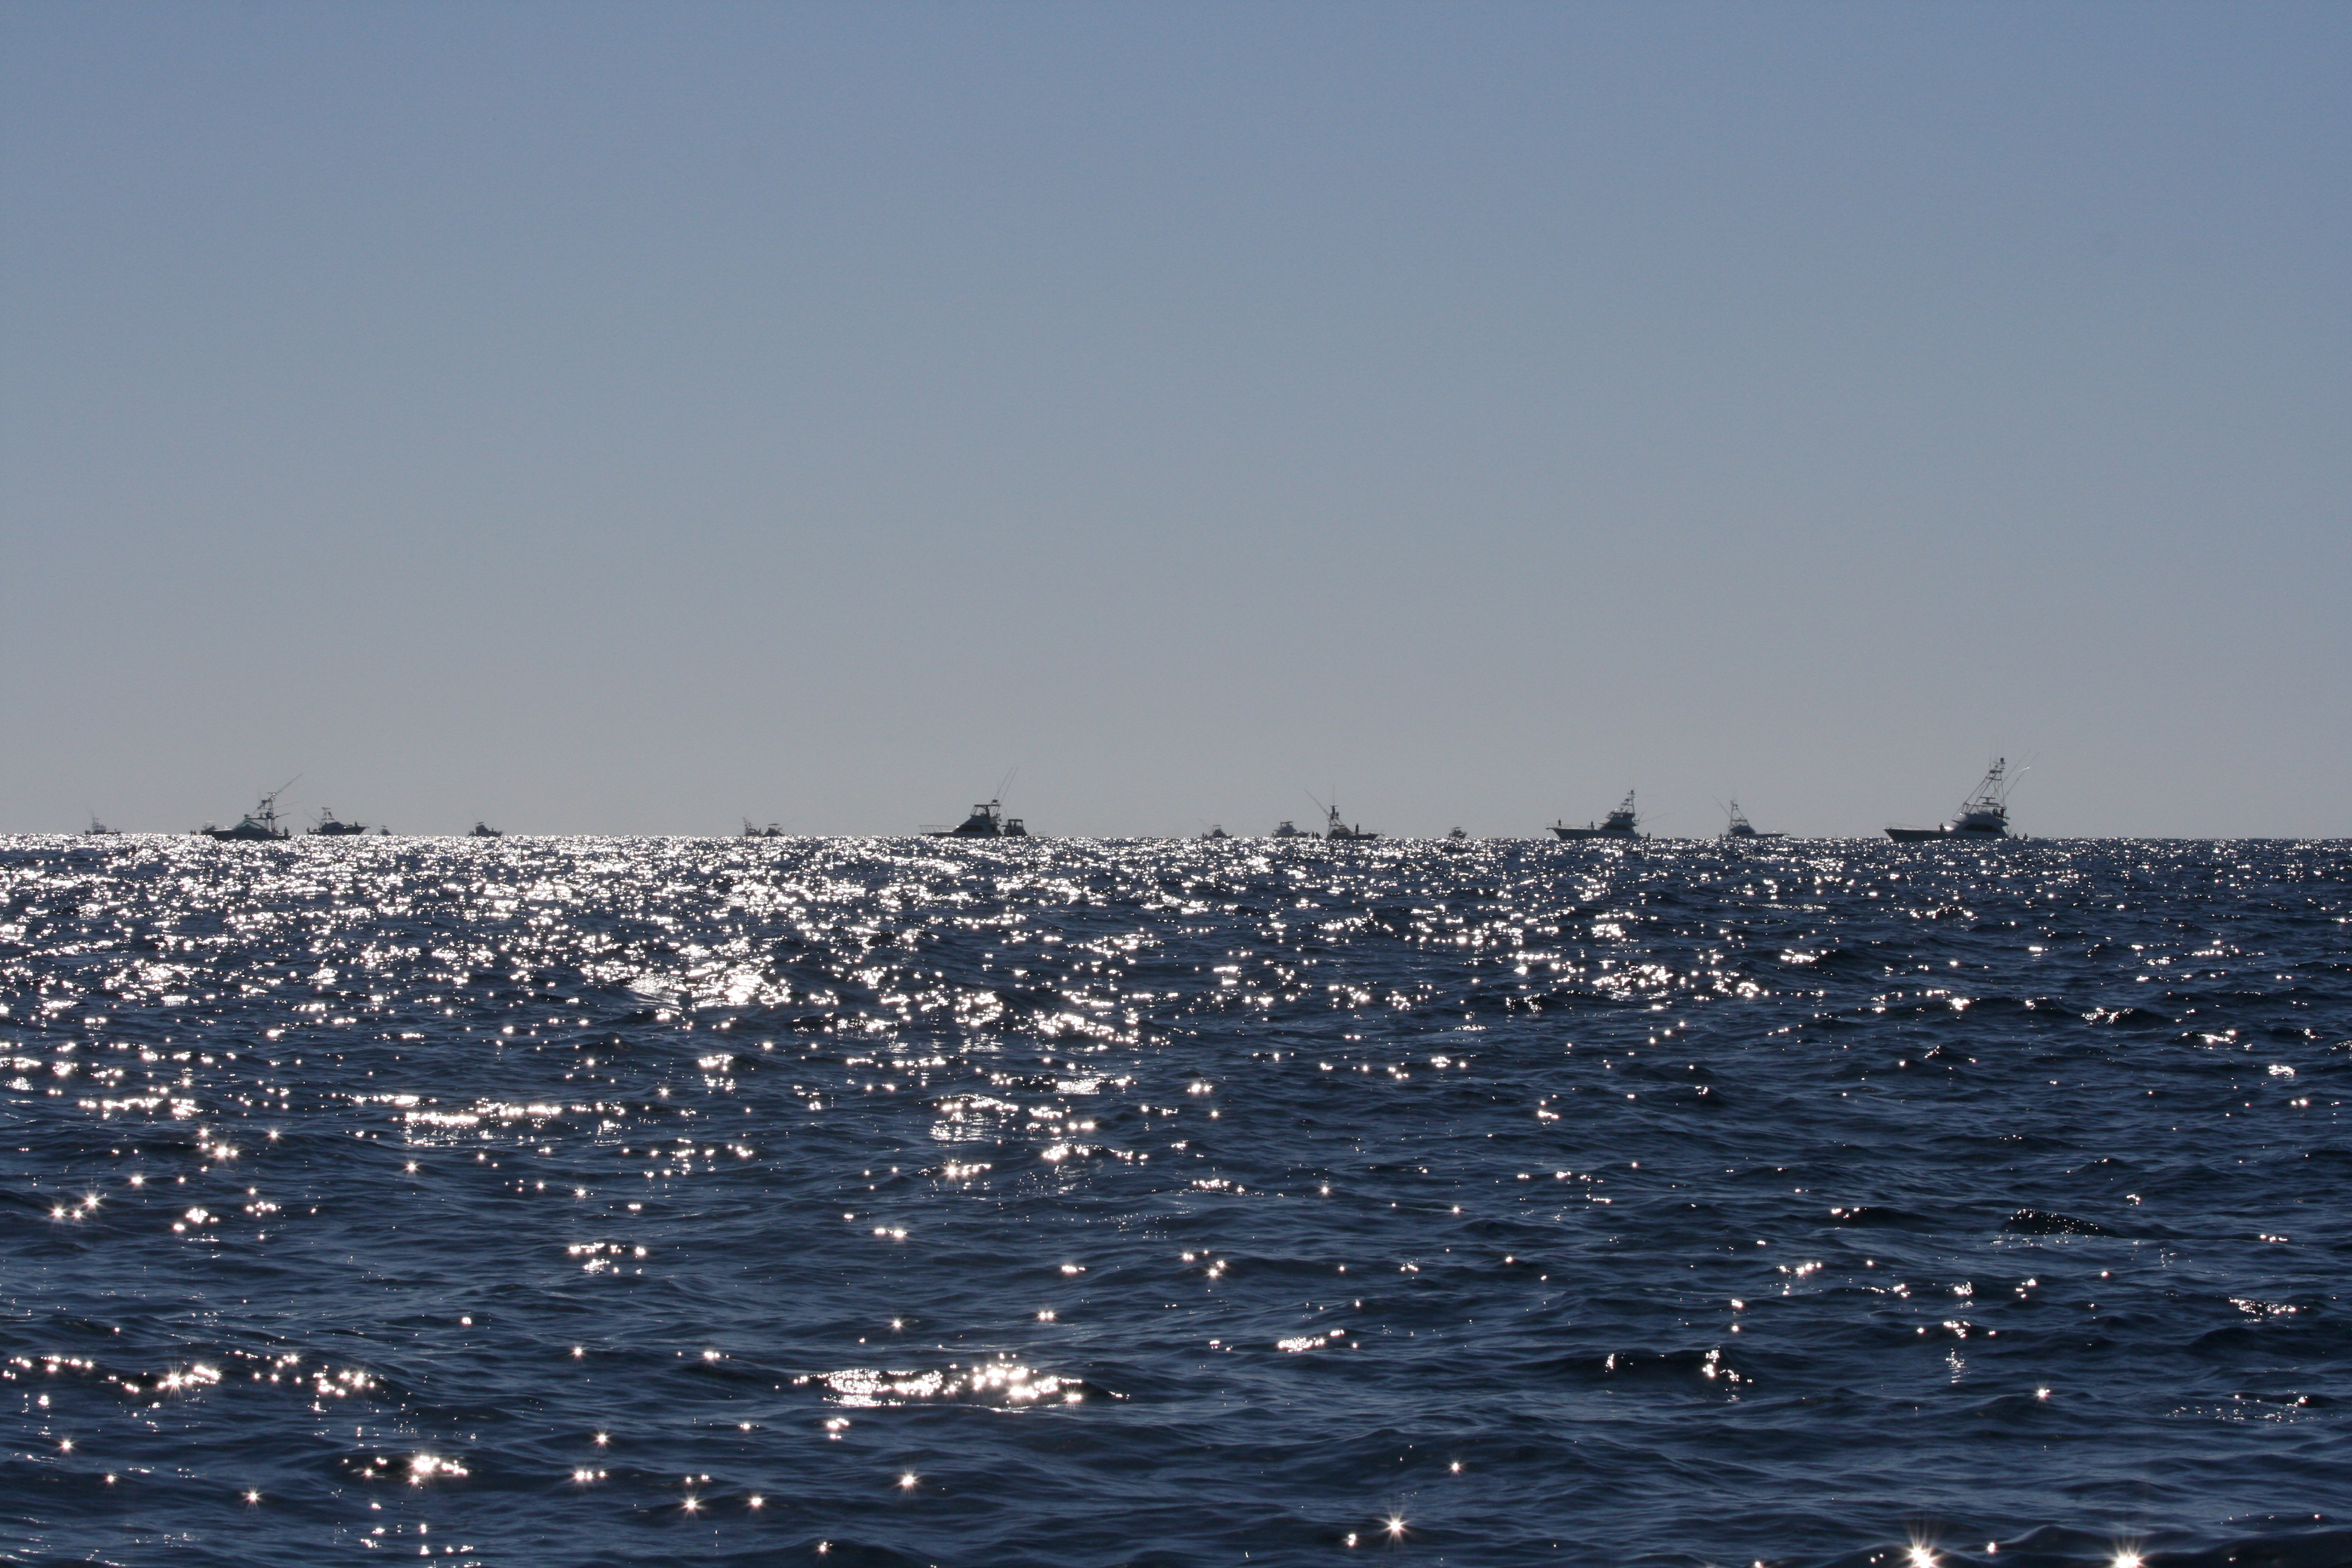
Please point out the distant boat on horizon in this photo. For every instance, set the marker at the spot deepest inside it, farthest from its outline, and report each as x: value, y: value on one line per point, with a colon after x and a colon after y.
x: 484, y: 831
x: 1984, y: 815
x: 1740, y: 827
x: 1216, y: 831
x: 256, y: 825
x: 98, y: 829
x: 330, y: 828
x: 987, y: 821
x: 1288, y: 829
x: 1338, y: 832
x: 770, y: 831
x: 1619, y: 824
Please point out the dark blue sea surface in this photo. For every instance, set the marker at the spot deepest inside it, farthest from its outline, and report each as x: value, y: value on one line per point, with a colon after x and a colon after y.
x: 1085, y: 1203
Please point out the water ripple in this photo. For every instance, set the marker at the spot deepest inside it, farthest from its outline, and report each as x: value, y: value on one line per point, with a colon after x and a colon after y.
x: 1076, y: 1202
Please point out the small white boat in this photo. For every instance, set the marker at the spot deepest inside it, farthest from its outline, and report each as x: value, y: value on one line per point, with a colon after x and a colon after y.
x: 1984, y: 815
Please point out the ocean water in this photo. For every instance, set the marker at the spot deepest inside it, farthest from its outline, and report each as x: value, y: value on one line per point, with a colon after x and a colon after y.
x: 1091, y: 1202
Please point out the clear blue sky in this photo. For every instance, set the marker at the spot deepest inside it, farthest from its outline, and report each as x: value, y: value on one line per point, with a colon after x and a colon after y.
x: 630, y: 417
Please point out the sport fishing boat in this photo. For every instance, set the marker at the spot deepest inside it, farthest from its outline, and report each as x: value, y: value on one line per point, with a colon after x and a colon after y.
x: 98, y: 829
x: 1216, y: 831
x: 1984, y: 815
x: 770, y: 831
x: 987, y: 821
x: 1289, y: 829
x: 484, y: 831
x: 1740, y: 827
x: 259, y: 823
x: 1338, y: 832
x: 1457, y: 839
x: 1619, y: 824
x: 330, y: 828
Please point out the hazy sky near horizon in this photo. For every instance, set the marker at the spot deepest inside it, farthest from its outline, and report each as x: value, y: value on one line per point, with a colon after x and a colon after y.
x: 632, y: 417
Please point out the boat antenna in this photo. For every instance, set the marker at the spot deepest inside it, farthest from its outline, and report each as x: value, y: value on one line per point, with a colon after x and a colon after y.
x: 1010, y: 774
x: 1993, y: 788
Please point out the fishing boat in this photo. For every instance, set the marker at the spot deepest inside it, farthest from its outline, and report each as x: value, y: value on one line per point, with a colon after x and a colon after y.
x: 1984, y: 815
x: 1619, y: 824
x: 1457, y: 839
x: 1740, y: 827
x: 484, y: 831
x: 259, y: 823
x: 1289, y: 829
x: 1216, y: 831
x: 770, y: 831
x: 329, y: 827
x: 98, y: 829
x: 987, y: 821
x: 1338, y: 832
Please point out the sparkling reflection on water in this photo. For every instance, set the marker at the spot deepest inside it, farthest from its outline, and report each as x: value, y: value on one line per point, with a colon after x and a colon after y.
x: 1070, y: 1203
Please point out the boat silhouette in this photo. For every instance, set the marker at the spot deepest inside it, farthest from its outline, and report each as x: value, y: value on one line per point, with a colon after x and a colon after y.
x: 1984, y: 815
x: 1619, y: 824
x: 257, y: 825
x: 484, y: 831
x: 987, y: 821
x: 1740, y: 827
